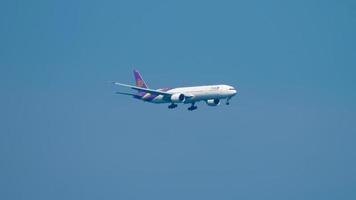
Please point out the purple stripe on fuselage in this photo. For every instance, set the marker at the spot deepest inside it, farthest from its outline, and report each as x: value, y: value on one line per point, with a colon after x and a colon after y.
x: 141, y: 94
x: 151, y: 97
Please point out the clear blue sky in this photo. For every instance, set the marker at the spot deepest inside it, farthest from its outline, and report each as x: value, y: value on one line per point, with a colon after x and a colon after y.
x: 289, y: 134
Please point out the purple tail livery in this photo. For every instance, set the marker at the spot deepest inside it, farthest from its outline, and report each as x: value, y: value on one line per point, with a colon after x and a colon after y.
x: 139, y: 80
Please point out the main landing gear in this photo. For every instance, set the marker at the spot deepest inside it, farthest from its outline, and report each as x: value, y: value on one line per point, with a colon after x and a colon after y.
x: 193, y: 107
x: 172, y: 106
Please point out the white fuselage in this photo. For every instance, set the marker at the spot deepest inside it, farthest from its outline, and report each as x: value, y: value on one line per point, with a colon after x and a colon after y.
x: 198, y: 93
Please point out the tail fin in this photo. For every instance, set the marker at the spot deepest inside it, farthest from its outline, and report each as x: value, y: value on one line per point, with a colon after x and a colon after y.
x: 139, y: 80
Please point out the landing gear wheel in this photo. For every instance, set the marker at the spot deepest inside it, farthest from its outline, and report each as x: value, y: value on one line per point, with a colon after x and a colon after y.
x: 228, y: 101
x: 172, y: 106
x: 193, y: 107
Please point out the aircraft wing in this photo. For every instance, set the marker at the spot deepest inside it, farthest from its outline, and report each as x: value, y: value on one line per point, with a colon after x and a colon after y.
x: 150, y: 90
x: 144, y: 89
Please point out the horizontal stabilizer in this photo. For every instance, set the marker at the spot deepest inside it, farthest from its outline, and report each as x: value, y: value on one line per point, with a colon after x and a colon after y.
x: 128, y: 94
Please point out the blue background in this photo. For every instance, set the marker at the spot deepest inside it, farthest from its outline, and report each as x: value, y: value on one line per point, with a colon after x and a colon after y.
x: 289, y: 134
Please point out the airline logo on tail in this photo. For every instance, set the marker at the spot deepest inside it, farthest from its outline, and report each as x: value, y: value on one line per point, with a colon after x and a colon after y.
x: 139, y: 80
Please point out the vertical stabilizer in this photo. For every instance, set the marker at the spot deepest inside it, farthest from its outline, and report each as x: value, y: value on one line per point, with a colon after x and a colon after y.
x: 139, y: 80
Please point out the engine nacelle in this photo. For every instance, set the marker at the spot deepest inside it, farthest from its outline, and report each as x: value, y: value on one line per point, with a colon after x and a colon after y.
x: 213, y: 102
x: 177, y: 98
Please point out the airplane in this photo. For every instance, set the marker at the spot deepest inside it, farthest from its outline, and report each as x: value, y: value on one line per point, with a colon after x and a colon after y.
x: 211, y: 94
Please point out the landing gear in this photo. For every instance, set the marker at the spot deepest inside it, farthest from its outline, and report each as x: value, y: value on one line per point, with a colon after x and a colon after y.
x: 228, y: 101
x: 193, y: 107
x: 172, y: 106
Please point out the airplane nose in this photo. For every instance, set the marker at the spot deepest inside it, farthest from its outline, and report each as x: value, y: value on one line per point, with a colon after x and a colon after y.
x: 233, y: 92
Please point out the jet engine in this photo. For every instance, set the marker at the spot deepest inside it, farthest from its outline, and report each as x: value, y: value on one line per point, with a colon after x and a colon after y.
x: 177, y: 98
x: 213, y: 102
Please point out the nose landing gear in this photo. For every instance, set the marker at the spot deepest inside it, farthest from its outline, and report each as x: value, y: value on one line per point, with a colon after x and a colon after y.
x: 228, y: 101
